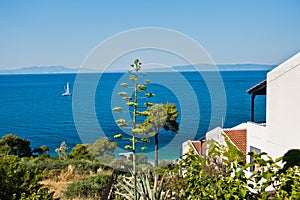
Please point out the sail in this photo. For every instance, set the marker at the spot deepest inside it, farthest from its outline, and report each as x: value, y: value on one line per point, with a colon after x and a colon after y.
x: 67, y: 90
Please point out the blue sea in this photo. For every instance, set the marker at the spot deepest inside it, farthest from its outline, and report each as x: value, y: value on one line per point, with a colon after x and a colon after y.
x: 31, y: 106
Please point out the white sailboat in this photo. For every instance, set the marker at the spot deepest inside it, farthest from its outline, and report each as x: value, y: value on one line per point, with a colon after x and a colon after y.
x: 67, y: 91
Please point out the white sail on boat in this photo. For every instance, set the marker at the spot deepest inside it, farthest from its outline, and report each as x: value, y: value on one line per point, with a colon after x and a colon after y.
x: 67, y: 91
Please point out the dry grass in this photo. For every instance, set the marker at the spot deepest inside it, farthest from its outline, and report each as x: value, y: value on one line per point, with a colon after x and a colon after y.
x: 58, y: 184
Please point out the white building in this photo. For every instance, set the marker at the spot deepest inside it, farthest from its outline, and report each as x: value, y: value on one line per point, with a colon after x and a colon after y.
x: 282, y: 129
x: 281, y: 132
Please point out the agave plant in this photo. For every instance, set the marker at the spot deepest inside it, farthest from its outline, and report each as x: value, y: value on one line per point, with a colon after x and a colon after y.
x: 149, y: 187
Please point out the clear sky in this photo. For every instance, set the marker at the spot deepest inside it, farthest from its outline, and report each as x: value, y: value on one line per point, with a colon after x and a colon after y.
x: 63, y: 32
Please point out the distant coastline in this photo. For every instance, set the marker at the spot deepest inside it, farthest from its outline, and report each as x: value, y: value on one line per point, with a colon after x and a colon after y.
x: 185, y: 68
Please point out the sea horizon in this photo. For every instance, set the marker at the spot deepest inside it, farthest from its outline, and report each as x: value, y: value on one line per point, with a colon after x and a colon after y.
x: 33, y: 108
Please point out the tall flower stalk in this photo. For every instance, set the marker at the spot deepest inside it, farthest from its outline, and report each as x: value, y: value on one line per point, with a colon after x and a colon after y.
x: 133, y: 102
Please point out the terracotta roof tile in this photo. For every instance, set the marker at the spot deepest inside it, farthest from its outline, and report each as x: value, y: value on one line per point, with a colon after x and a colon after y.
x: 196, y: 144
x: 239, y: 138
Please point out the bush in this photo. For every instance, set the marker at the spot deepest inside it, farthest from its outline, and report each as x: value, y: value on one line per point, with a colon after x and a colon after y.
x: 57, y: 165
x: 81, y: 152
x: 18, y: 181
x: 90, y: 187
x: 13, y: 145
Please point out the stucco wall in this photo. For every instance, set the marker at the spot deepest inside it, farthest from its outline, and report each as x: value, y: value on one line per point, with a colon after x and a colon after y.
x: 185, y: 147
x: 283, y: 107
x: 215, y: 135
x: 256, y: 137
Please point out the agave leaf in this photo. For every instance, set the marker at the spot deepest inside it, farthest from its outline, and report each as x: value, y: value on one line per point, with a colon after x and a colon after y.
x: 148, y: 187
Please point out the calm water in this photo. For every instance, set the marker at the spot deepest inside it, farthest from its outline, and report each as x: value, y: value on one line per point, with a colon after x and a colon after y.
x: 32, y: 107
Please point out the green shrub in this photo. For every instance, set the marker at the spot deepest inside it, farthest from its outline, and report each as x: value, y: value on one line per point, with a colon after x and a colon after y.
x: 13, y: 145
x: 90, y: 187
x: 56, y: 165
x: 18, y: 181
x: 81, y: 152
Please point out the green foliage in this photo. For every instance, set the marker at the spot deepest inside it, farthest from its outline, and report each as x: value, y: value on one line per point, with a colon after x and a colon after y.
x: 141, y: 159
x: 136, y: 128
x: 18, y: 181
x: 202, y: 178
x: 80, y: 151
x: 106, y: 160
x: 89, y: 188
x: 138, y: 88
x: 221, y: 154
x: 233, y: 153
x: 52, y: 167
x: 42, y: 151
x: 103, y: 146
x: 166, y: 164
x: 150, y: 186
x: 285, y: 183
x: 13, y: 145
x: 291, y: 158
x: 160, y: 117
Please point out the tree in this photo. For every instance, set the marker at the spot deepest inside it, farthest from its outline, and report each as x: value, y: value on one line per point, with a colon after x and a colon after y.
x: 80, y: 151
x: 138, y: 88
x: 161, y: 117
x: 103, y: 146
x: 42, y: 151
x: 291, y: 158
x: 13, y: 145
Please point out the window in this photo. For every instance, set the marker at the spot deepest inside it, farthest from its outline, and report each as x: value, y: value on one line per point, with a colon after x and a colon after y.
x: 253, y: 149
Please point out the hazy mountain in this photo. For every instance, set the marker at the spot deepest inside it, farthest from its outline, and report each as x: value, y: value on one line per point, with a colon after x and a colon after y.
x: 224, y: 67
x: 40, y: 70
x: 201, y: 67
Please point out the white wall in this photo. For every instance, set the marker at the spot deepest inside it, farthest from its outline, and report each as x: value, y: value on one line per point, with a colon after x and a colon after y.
x: 185, y: 147
x: 216, y: 135
x: 256, y: 137
x: 283, y: 107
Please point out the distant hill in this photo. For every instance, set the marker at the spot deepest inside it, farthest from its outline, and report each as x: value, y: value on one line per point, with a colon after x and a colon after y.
x: 225, y: 67
x: 201, y: 67
x: 40, y: 70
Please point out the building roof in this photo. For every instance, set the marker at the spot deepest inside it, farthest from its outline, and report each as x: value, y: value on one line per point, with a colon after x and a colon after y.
x: 196, y: 145
x: 239, y: 138
x: 284, y: 67
x: 258, y: 89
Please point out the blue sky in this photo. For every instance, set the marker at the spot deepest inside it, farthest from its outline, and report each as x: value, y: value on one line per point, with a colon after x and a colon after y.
x: 56, y: 32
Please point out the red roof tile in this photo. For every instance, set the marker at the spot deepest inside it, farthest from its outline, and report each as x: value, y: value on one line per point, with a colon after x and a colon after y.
x: 239, y: 138
x: 196, y: 145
